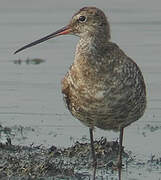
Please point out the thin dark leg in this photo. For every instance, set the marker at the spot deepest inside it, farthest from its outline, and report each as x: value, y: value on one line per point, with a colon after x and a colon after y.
x: 119, y: 163
x: 119, y: 173
x: 93, y: 153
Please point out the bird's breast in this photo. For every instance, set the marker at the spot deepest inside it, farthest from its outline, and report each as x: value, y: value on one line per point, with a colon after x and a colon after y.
x: 84, y: 90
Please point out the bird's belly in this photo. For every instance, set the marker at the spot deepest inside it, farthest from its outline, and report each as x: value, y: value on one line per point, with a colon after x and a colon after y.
x: 95, y: 108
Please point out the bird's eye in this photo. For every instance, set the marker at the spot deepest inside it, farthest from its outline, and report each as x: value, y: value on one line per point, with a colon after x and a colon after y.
x: 82, y: 18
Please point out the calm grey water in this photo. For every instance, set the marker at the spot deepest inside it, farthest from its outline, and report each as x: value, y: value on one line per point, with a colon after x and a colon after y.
x: 30, y: 95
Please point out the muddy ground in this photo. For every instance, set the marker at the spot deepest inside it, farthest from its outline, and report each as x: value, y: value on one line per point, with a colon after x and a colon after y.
x: 72, y: 163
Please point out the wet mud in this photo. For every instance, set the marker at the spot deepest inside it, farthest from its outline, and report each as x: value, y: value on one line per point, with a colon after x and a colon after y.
x: 75, y: 162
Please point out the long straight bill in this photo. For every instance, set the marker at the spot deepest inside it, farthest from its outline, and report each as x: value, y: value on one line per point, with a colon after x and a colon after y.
x: 62, y: 31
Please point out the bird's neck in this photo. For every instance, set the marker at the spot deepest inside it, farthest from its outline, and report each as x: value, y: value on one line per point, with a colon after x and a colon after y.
x: 91, y: 44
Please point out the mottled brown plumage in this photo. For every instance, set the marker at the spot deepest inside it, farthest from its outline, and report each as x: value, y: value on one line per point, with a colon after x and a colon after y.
x: 103, y: 87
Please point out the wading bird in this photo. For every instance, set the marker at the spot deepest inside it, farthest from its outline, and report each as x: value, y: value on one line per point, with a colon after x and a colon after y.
x: 103, y: 87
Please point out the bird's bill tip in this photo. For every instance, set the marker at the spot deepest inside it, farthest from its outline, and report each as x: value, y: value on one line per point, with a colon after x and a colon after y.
x: 62, y: 31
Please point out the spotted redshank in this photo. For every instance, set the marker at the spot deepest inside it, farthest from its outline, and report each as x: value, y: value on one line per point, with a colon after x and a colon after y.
x: 103, y: 87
